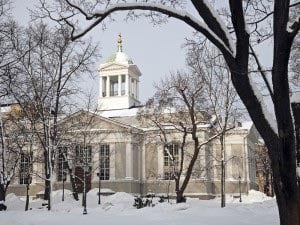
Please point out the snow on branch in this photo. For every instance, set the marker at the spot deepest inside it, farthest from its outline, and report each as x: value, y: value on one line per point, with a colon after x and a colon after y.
x: 214, y: 22
x: 268, y: 117
x: 184, y: 16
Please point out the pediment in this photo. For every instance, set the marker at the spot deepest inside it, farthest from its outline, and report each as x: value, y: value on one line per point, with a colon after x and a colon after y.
x: 84, y: 120
x: 112, y: 66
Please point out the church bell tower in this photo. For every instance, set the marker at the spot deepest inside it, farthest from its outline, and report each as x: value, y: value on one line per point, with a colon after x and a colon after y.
x: 119, y: 81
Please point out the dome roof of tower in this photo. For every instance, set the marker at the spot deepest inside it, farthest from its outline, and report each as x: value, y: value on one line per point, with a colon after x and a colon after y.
x: 120, y: 56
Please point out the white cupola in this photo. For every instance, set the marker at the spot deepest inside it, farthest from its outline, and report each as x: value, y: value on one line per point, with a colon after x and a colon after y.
x: 119, y: 82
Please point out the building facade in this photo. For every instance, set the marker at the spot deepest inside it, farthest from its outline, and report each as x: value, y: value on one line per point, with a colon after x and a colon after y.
x: 113, y: 146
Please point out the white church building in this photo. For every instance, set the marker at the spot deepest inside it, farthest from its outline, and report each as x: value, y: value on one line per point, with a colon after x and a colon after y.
x: 125, y: 156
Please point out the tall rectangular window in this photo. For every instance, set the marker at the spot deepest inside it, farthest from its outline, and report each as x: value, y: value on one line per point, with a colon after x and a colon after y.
x: 104, y: 162
x: 25, y: 168
x: 171, y: 151
x: 83, y: 153
x: 114, y: 85
x: 62, y: 163
x: 171, y: 159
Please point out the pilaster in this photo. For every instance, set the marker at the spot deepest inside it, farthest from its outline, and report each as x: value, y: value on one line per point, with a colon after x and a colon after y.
x: 129, y: 163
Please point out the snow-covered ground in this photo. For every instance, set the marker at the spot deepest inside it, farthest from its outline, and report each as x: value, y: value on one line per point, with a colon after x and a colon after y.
x: 255, y: 209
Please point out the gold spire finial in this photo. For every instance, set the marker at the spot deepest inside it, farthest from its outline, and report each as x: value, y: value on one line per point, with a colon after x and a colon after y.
x: 120, y: 43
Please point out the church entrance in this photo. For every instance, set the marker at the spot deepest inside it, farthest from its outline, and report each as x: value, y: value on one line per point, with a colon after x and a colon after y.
x: 83, y: 161
x: 79, y: 179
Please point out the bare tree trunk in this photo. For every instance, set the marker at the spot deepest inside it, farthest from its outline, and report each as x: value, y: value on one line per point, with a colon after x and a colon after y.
x: 179, y: 192
x: 223, y: 200
x: 27, y: 197
x: 47, y: 176
x: 288, y: 205
x: 72, y: 179
x: 179, y: 197
x: 2, y: 198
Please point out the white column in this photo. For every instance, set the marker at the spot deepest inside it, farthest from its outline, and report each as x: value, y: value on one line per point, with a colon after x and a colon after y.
x: 100, y: 88
x: 129, y: 164
x: 119, y: 84
x: 108, y: 86
x: 137, y: 90
x: 127, y: 84
x: 133, y: 87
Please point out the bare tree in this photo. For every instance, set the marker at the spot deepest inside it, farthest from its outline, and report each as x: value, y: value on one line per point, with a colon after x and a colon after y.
x: 8, y: 31
x: 179, y: 112
x: 234, y: 41
x: 43, y: 84
x: 207, y: 62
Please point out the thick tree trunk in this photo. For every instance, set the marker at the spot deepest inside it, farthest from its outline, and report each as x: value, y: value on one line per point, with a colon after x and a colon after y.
x: 288, y: 205
x: 179, y: 192
x: 283, y: 155
x: 286, y: 190
x: 285, y: 181
x: 179, y: 197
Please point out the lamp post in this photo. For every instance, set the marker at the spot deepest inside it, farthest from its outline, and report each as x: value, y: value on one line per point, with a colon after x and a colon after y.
x: 27, y: 191
x: 240, y: 188
x: 99, y: 187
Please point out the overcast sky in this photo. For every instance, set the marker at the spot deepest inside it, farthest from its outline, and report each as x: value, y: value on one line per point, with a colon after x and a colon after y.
x: 156, y: 50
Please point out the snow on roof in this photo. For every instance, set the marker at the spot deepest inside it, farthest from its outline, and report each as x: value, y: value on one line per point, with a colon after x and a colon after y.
x: 119, y: 112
